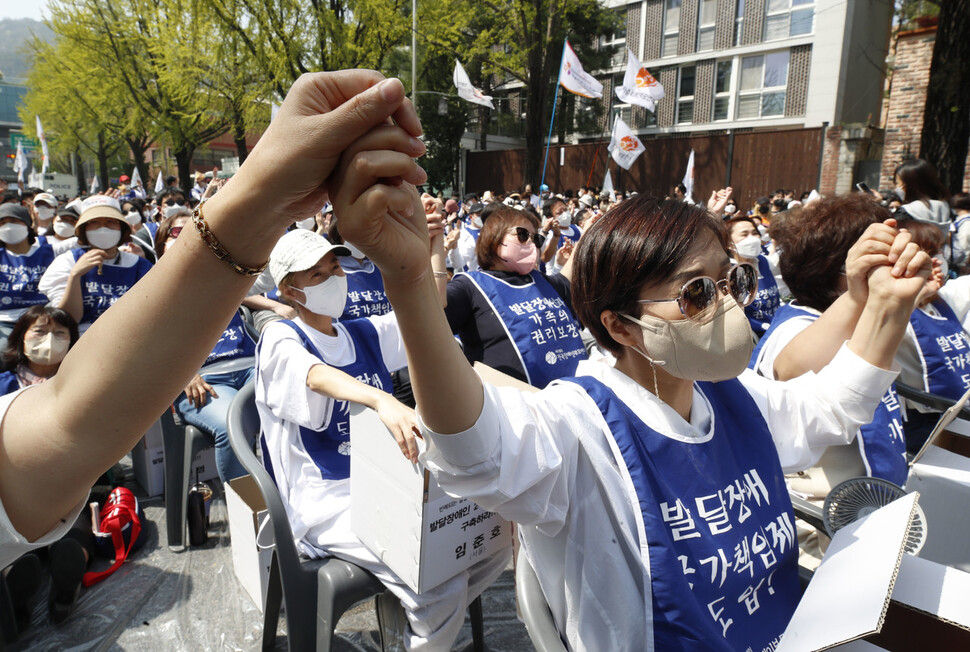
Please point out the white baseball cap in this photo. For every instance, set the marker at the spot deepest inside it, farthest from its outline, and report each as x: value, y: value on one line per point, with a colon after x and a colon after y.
x: 299, y: 250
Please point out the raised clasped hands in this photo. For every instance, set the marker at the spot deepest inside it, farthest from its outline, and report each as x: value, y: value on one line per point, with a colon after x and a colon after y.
x: 901, y: 280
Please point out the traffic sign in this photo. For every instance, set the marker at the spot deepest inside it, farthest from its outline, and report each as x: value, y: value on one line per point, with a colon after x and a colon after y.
x: 27, y: 142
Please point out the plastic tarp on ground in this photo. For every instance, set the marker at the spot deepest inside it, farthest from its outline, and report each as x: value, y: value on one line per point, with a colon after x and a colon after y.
x: 161, y: 600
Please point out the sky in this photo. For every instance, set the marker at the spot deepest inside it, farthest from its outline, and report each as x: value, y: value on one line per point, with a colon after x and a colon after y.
x: 22, y: 8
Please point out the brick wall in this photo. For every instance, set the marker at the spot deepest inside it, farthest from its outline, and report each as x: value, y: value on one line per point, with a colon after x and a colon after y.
x: 830, y: 161
x: 633, y: 29
x: 724, y: 24
x: 687, y: 42
x: 704, y: 92
x: 654, y: 35
x: 605, y: 120
x: 752, y: 27
x: 798, y: 70
x: 667, y: 106
x: 907, y: 101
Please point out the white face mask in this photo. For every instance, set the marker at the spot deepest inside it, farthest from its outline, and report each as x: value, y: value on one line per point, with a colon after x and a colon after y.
x: 169, y: 211
x: 901, y: 193
x: 730, y: 209
x: 63, y: 229
x: 104, y: 238
x: 47, y: 350
x: 12, y: 234
x: 327, y: 298
x: 309, y: 224
x: 565, y: 219
x: 134, y: 219
x: 44, y: 212
x: 475, y: 222
x: 750, y: 247
x: 354, y: 251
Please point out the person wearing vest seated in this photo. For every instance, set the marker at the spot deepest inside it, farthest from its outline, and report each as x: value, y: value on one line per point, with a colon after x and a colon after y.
x: 824, y: 265
x: 39, y: 341
x: 308, y: 369
x: 205, y: 401
x: 86, y: 281
x: 746, y: 245
x: 365, y: 285
x: 24, y: 257
x: 462, y: 254
x: 510, y: 316
x: 649, y: 495
x: 61, y: 235
x: 935, y: 354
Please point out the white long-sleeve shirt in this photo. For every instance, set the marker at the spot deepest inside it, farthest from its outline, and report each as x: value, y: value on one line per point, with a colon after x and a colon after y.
x: 544, y: 461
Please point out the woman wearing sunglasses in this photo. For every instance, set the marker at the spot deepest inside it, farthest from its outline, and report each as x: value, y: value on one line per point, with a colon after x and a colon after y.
x: 507, y: 314
x: 650, y: 494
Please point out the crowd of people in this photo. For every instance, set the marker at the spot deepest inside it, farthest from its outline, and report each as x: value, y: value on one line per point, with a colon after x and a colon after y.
x: 693, y: 363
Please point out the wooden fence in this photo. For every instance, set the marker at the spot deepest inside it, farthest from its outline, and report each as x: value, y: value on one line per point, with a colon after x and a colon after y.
x: 756, y: 164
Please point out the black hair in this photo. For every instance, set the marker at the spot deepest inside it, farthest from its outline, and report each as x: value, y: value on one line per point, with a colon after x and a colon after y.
x: 13, y: 354
x: 920, y: 181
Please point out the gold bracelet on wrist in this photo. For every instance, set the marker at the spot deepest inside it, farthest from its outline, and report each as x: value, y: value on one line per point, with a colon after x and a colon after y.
x: 212, y: 242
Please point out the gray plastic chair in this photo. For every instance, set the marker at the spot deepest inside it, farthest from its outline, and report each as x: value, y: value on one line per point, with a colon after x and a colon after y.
x: 534, y: 608
x: 316, y: 592
x: 180, y: 445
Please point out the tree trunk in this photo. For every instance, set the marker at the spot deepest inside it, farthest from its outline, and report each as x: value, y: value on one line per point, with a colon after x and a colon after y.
x: 103, y: 162
x: 239, y: 136
x: 946, y: 120
x: 183, y: 161
x: 138, y: 149
x: 79, y: 171
x: 484, y: 114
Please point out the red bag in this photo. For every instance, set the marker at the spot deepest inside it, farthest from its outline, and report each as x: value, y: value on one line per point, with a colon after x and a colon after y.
x: 119, y: 524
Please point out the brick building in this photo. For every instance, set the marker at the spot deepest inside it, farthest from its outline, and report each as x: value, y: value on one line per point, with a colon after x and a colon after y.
x: 907, y: 100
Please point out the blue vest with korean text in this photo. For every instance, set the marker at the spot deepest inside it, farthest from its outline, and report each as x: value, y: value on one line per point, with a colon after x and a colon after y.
x: 365, y: 292
x: 945, y: 350
x: 100, y: 291
x: 234, y: 343
x: 472, y: 231
x: 330, y: 448
x: 20, y: 274
x: 718, y: 523
x: 540, y: 325
x: 882, y: 442
x: 766, y: 302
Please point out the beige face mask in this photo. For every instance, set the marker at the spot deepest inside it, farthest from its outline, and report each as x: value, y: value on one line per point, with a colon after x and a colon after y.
x: 46, y: 350
x: 717, y: 350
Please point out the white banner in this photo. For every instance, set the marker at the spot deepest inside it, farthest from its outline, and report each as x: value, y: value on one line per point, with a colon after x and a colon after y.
x: 689, y: 179
x: 42, y: 137
x: 159, y: 183
x: 608, y: 186
x: 20, y: 163
x: 639, y: 86
x: 624, y: 147
x: 574, y: 79
x: 136, y: 178
x: 95, y: 186
x: 465, y: 89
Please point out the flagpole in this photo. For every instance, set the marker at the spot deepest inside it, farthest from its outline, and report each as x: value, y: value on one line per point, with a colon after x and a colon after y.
x: 552, y: 120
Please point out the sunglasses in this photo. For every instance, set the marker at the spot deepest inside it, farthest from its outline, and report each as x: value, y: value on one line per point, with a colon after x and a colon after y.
x: 524, y: 235
x: 173, y: 202
x: 698, y: 298
x: 174, y: 232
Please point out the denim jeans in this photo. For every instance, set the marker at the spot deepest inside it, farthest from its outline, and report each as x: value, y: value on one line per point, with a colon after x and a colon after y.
x: 211, y: 418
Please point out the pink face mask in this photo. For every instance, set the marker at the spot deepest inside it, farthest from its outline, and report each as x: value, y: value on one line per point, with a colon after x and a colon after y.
x: 520, y: 258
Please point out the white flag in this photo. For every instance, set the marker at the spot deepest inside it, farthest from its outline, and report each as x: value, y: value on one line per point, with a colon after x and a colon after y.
x: 624, y: 147
x: 468, y: 92
x: 159, y: 183
x: 689, y: 179
x: 812, y: 197
x: 639, y: 86
x: 135, y: 178
x: 20, y: 163
x: 608, y: 186
x: 42, y: 137
x: 274, y: 108
x: 95, y: 186
x: 574, y: 79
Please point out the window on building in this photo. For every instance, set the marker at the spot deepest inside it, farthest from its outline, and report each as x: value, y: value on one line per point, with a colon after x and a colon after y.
x: 616, y: 42
x: 738, y: 22
x: 722, y: 89
x: 671, y: 28
x: 685, y: 94
x: 706, y: 15
x: 786, y: 18
x: 764, y: 79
